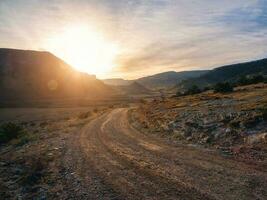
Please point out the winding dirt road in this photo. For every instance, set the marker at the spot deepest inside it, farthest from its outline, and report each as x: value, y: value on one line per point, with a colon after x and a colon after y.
x: 110, y: 159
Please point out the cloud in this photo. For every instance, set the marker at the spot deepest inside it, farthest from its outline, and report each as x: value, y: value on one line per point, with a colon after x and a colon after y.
x: 154, y: 36
x: 201, y: 36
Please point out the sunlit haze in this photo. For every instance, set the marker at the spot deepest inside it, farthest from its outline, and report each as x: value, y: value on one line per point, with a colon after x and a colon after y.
x: 84, y: 48
x: 134, y: 38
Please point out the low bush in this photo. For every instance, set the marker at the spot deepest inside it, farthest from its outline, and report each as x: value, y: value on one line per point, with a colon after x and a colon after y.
x: 263, y: 112
x: 243, y: 80
x: 143, y: 101
x: 257, y: 79
x: 35, y: 171
x: 193, y: 90
x: 223, y: 87
x: 9, y: 131
x: 179, y: 94
x: 24, y: 139
x: 95, y: 110
x: 206, y: 88
x: 84, y: 115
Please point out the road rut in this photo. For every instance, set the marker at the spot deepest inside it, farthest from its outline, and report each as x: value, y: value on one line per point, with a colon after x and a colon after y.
x: 113, y: 160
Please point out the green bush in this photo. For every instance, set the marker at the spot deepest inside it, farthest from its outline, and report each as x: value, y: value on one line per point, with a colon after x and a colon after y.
x: 223, y: 87
x: 193, y: 90
x: 251, y: 80
x: 206, y: 88
x: 9, y: 131
x: 257, y: 79
x: 243, y: 80
x: 263, y: 112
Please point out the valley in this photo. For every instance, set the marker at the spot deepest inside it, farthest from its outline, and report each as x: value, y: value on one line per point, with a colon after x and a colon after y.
x: 79, y: 138
x: 133, y: 100
x: 100, y: 154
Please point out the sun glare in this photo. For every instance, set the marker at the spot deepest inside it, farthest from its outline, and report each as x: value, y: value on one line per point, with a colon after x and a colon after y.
x: 85, y: 49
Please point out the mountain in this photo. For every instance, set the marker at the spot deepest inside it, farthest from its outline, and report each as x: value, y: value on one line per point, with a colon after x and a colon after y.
x: 27, y: 75
x: 230, y: 73
x: 117, y: 81
x: 158, y: 81
x: 134, y: 88
x: 168, y: 79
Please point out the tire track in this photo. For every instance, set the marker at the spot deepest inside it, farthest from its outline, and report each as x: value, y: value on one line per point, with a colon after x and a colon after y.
x: 136, y: 166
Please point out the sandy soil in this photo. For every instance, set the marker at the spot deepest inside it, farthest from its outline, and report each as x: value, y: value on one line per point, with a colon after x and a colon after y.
x: 106, y: 158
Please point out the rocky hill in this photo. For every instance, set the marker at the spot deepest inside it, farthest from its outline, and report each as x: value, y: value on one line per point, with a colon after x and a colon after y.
x: 230, y: 73
x: 117, y: 81
x: 134, y: 88
x: 168, y: 79
x: 27, y: 75
x: 159, y: 81
x: 226, y: 121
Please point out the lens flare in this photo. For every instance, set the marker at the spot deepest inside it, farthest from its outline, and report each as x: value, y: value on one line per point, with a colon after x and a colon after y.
x: 85, y: 49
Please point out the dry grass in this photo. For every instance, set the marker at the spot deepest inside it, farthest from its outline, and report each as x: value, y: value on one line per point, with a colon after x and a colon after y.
x: 30, y: 165
x: 209, y: 119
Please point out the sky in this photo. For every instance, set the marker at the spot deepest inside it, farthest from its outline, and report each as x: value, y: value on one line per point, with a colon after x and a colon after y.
x: 135, y: 38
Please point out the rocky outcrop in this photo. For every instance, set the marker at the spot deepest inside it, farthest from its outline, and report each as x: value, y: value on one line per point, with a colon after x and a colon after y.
x: 210, y: 119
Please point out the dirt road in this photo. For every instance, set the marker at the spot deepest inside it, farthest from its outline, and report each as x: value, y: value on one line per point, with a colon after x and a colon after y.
x: 109, y: 159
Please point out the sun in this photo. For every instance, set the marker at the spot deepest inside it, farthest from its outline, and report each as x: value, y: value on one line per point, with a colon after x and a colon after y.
x: 85, y: 49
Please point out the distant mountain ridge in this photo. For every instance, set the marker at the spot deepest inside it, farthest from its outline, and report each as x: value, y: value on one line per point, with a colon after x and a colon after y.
x: 133, y: 89
x: 168, y: 79
x: 230, y: 73
x: 30, y: 75
x: 117, y: 81
x: 159, y: 81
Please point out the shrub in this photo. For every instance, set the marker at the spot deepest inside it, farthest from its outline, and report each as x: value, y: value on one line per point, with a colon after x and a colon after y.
x: 257, y: 79
x: 24, y: 139
x: 143, y: 101
x: 243, y: 80
x: 35, y: 171
x: 206, y: 88
x: 193, y: 90
x: 9, y: 131
x: 263, y: 112
x: 223, y: 87
x: 179, y: 94
x: 84, y: 115
x: 95, y: 110
x: 251, y: 80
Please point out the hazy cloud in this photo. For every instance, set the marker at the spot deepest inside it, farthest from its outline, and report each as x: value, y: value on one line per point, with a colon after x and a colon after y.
x: 155, y: 36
